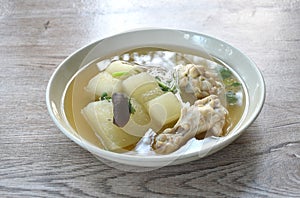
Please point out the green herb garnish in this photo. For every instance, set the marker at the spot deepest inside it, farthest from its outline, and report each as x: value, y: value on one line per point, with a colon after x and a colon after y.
x: 118, y: 74
x: 225, y: 73
x: 131, y: 108
x: 165, y: 87
x: 157, y: 78
x: 105, y: 96
x: 231, y: 97
x: 236, y: 84
x: 231, y: 85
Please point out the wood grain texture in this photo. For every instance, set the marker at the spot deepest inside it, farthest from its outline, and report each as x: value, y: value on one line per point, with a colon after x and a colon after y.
x: 37, y: 160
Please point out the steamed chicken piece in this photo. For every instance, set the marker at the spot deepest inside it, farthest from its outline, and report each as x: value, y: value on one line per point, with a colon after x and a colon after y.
x: 204, y: 115
x: 200, y: 80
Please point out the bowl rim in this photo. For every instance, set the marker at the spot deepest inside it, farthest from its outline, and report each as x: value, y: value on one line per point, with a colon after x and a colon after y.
x: 154, y: 158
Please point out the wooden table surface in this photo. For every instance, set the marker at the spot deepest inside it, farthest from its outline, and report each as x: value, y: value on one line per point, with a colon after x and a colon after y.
x: 37, y: 160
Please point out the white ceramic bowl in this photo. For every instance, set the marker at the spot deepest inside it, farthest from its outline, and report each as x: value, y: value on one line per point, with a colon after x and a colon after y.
x: 184, y: 41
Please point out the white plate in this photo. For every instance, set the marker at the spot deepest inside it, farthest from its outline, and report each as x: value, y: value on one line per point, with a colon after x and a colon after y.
x: 184, y: 41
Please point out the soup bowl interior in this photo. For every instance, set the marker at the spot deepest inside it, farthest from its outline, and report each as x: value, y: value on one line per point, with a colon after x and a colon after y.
x: 176, y: 40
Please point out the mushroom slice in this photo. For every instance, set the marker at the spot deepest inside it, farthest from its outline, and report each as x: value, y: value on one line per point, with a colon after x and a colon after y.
x: 120, y: 109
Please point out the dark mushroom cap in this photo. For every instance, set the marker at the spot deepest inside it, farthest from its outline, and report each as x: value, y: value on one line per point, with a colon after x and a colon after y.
x: 120, y: 109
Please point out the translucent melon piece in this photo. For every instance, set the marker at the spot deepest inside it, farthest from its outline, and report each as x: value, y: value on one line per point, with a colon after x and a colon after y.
x: 139, y: 121
x: 147, y: 92
x: 101, y: 83
x: 119, y: 66
x: 163, y: 110
x: 133, y: 82
x: 99, y: 115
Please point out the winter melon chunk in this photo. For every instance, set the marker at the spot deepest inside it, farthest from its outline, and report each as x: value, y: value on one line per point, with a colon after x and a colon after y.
x: 118, y: 67
x: 163, y: 110
x: 99, y: 115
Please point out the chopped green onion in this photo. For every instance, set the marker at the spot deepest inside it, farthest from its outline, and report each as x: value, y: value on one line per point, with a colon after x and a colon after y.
x: 165, y: 87
x: 236, y: 84
x: 118, y: 74
x: 157, y: 78
x: 231, y: 97
x: 225, y: 73
x: 105, y: 96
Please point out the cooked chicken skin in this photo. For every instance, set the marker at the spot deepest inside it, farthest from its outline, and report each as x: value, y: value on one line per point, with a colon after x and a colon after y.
x: 200, y: 80
x: 204, y: 115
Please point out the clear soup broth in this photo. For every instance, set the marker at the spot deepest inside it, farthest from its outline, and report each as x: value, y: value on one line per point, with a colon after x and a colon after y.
x: 76, y: 97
